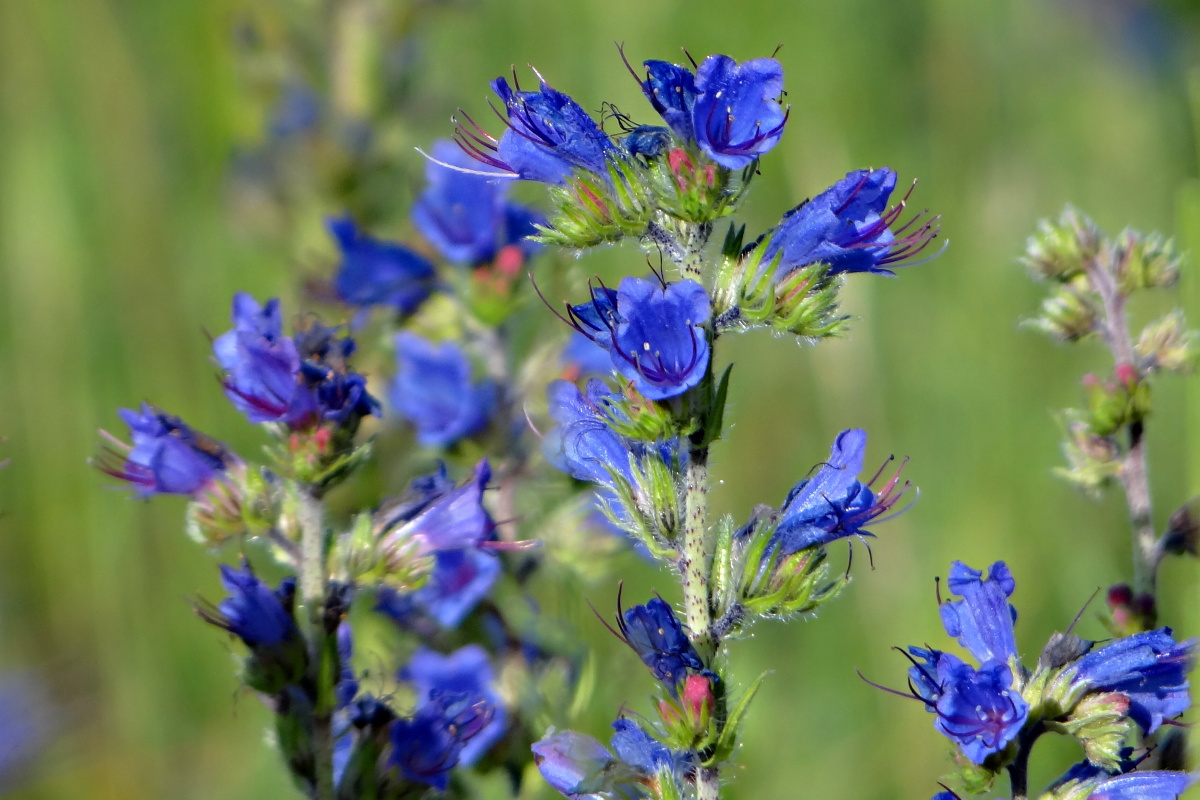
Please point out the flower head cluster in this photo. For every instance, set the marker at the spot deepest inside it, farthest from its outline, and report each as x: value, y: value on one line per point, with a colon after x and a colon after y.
x: 166, y: 455
x: 979, y: 709
x: 300, y: 381
x: 1087, y: 691
x: 434, y: 391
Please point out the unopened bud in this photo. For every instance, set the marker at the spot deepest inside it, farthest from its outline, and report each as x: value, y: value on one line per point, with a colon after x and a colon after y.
x: 1168, y: 344
x: 1061, y: 250
x: 1183, y: 529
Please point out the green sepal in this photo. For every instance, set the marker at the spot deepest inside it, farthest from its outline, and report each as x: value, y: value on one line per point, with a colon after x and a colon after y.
x: 366, y: 556
x: 633, y: 416
x: 714, y: 414
x: 687, y: 185
x: 590, y: 211
x: 802, y: 303
x: 1145, y: 261
x: 731, y: 727
x: 1071, y: 313
x: 1101, y: 724
x: 1167, y: 344
x: 1063, y: 250
x: 973, y: 778
x: 1093, y: 461
x: 271, y: 669
x: 651, y: 503
x: 320, y: 457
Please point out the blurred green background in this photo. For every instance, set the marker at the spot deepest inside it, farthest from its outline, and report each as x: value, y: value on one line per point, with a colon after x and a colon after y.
x: 118, y: 119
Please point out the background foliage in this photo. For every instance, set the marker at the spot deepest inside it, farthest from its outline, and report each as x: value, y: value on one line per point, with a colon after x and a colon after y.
x: 118, y: 250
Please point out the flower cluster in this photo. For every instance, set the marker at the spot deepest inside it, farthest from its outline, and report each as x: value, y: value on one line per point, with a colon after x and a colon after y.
x: 1097, y: 693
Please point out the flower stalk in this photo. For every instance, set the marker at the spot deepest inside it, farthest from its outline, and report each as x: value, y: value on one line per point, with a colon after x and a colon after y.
x: 313, y: 585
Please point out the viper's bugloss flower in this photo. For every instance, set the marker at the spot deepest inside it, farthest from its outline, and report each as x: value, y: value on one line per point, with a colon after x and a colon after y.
x: 453, y: 520
x: 254, y: 612
x: 850, y: 228
x: 466, y: 215
x: 1150, y: 668
x: 580, y: 768
x: 458, y: 582
x: 428, y: 745
x: 655, y: 634
x: 982, y: 621
x: 295, y: 113
x: 978, y: 709
x: 548, y: 136
x: 567, y: 760
x: 736, y: 115
x: 582, y: 444
x: 638, y: 749
x: 347, y: 685
x: 376, y: 272
x: 671, y: 89
x: 466, y: 672
x: 654, y: 333
x: 1148, y: 785
x: 166, y: 455
x: 433, y: 390
x: 299, y: 381
x: 833, y: 503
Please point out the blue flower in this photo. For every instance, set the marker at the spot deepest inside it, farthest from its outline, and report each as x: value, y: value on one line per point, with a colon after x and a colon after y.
x: 548, y: 136
x: 849, y: 227
x: 347, y: 685
x: 671, y: 90
x: 638, y: 749
x: 467, y: 672
x: 464, y: 214
x: 834, y: 504
x: 459, y: 581
x: 571, y: 763
x: 262, y: 365
x: 655, y: 333
x: 1149, y: 668
x: 296, y: 112
x: 735, y: 114
x: 654, y: 633
x: 580, y: 768
x: 376, y: 272
x: 978, y: 709
x: 428, y: 745
x: 1148, y: 785
x: 982, y: 620
x: 299, y: 381
x: 456, y: 519
x: 434, y: 391
x: 258, y: 615
x: 166, y: 457
x: 582, y: 444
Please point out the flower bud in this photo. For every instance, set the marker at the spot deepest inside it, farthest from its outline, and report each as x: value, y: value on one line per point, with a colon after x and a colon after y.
x: 1069, y: 314
x: 1061, y: 250
x: 1183, y: 529
x: 1101, y: 724
x: 1168, y: 344
x: 1145, y: 261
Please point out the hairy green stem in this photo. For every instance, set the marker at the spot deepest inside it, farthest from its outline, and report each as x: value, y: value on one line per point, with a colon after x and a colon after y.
x: 313, y: 587
x: 693, y: 563
x: 1135, y: 480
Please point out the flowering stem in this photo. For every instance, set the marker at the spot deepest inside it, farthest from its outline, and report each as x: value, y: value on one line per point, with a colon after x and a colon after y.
x: 313, y: 571
x: 1135, y: 480
x: 1018, y: 770
x: 693, y: 563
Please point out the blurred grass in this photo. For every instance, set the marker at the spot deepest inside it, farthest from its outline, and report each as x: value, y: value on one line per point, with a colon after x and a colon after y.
x: 117, y: 121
